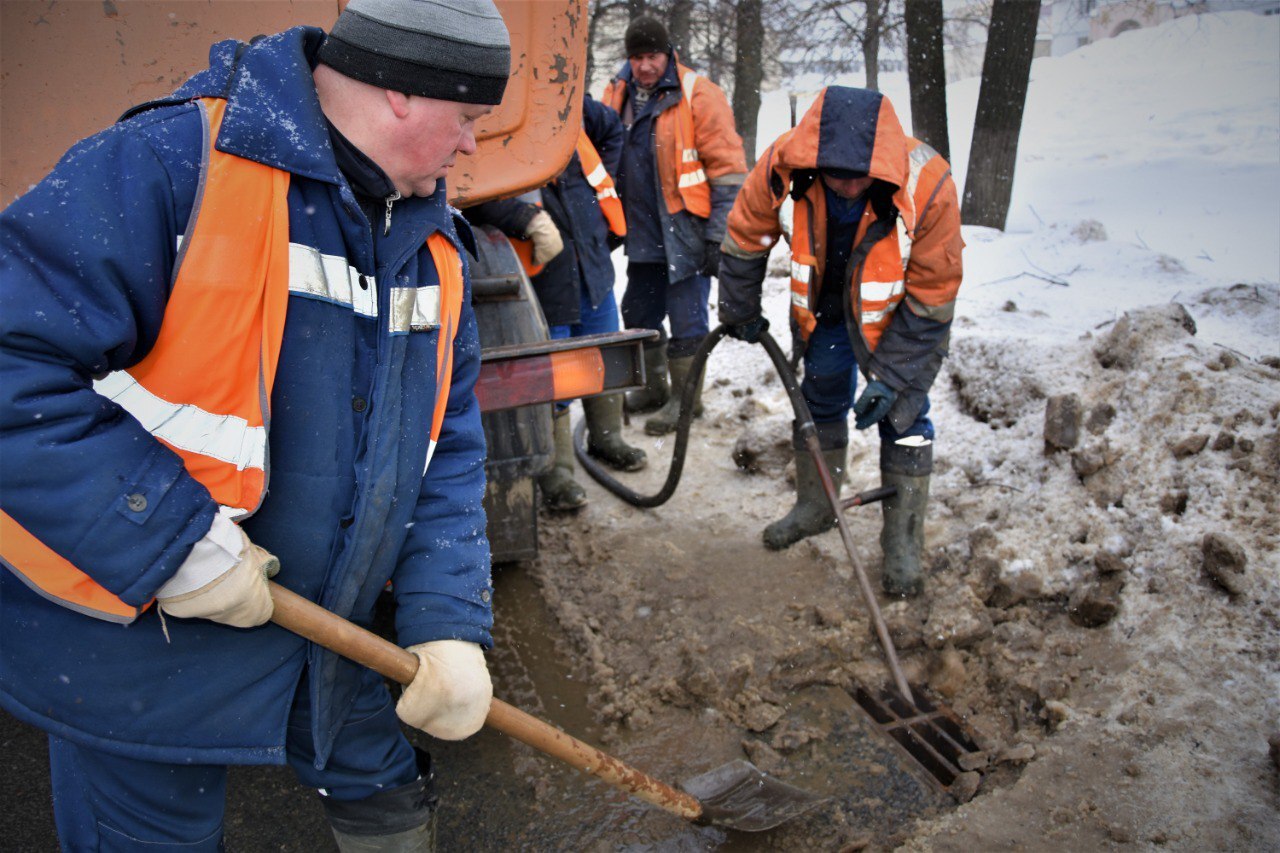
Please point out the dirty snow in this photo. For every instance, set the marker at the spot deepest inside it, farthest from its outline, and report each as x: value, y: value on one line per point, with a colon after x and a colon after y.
x: 1103, y: 599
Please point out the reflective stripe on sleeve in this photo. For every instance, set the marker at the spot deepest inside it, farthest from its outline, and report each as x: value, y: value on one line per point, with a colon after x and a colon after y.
x: 223, y: 437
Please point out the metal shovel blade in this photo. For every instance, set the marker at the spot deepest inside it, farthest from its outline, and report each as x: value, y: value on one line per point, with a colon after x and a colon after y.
x: 741, y: 796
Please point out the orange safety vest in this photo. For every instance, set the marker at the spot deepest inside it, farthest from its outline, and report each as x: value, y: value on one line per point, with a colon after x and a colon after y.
x: 598, y: 176
x: 606, y: 194
x: 691, y: 178
x: 882, y: 283
x: 204, y: 389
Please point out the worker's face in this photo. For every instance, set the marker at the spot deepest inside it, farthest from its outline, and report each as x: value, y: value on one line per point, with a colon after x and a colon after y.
x: 427, y: 141
x: 847, y: 187
x: 647, y: 68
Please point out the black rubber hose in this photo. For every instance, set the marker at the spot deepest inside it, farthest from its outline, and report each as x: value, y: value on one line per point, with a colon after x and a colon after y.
x: 803, y: 418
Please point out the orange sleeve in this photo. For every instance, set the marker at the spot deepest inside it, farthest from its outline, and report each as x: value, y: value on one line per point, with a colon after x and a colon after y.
x: 753, y: 227
x: 935, y: 269
x: 715, y: 136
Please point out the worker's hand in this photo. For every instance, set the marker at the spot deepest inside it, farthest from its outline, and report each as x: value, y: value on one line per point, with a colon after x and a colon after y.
x: 238, y: 597
x: 749, y: 330
x: 874, y: 403
x: 710, y: 265
x: 449, y: 697
x: 614, y: 242
x: 547, y: 242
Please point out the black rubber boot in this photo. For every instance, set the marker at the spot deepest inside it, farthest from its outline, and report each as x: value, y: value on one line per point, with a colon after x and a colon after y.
x: 395, y: 820
x: 604, y: 434
x: 812, y: 513
x: 560, y: 492
x: 669, y: 415
x: 902, y: 537
x: 657, y: 387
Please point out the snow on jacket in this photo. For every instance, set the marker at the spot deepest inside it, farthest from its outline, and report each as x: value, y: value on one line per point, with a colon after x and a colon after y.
x: 718, y: 148
x: 86, y: 259
x: 571, y: 202
x: 906, y: 265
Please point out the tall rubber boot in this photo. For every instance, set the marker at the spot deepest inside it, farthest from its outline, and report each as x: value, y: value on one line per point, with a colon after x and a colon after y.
x: 902, y: 537
x: 604, y: 434
x: 667, y: 417
x: 560, y: 492
x: 657, y: 387
x: 394, y: 820
x: 812, y: 513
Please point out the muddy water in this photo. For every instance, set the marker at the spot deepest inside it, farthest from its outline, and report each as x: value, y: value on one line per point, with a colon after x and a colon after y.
x: 497, y: 794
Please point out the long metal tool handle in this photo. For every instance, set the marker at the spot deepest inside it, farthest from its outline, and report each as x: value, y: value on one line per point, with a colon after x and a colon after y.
x: 882, y: 630
x: 310, y: 620
x: 805, y: 421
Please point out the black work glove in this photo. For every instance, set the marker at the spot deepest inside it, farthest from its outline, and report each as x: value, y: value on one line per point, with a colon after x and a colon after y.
x: 874, y: 403
x: 613, y: 241
x: 710, y: 265
x: 749, y: 330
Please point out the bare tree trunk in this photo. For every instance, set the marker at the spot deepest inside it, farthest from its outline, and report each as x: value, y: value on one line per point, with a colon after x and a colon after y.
x: 1006, y: 71
x: 679, y: 22
x: 637, y: 9
x: 871, y: 42
x: 927, y: 73
x: 748, y: 71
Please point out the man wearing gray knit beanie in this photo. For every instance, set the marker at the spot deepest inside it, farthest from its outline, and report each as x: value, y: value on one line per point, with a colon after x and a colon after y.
x: 311, y: 332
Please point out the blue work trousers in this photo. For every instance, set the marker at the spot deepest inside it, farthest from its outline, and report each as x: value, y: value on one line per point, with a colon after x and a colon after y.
x: 831, y: 383
x: 108, y: 803
x: 651, y: 296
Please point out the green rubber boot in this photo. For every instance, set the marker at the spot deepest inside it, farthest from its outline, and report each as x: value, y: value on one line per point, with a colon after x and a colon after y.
x: 812, y: 513
x: 604, y: 434
x: 669, y: 415
x: 560, y: 492
x: 657, y: 387
x: 902, y: 536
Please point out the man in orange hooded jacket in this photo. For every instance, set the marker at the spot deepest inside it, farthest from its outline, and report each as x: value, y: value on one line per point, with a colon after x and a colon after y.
x: 875, y: 267
x: 681, y: 167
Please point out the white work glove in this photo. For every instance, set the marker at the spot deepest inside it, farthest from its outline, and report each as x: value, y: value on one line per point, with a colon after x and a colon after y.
x: 545, y: 236
x: 449, y: 697
x: 238, y: 597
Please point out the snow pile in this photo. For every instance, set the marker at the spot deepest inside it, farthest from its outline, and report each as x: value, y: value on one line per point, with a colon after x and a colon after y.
x: 1103, y: 584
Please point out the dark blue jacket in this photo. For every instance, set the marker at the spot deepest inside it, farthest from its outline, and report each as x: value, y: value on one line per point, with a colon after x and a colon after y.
x: 86, y: 259
x: 584, y: 266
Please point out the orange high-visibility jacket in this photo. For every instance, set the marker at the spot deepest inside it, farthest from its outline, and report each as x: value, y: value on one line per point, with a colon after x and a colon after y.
x: 917, y: 260
x: 696, y: 143
x: 204, y: 389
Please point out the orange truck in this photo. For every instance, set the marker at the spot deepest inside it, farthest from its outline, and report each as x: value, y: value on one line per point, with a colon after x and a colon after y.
x: 139, y: 50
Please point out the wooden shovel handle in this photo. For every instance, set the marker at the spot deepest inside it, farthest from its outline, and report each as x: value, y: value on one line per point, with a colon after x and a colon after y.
x: 310, y: 620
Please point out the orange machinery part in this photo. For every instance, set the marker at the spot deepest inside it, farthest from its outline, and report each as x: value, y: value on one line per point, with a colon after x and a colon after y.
x: 69, y: 69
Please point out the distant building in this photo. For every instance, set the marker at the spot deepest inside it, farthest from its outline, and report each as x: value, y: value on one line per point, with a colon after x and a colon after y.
x: 1069, y: 24
x: 1110, y: 18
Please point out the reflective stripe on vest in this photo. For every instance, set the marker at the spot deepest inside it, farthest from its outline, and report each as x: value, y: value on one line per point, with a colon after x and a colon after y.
x: 883, y: 272
x: 598, y: 176
x: 204, y: 389
x: 691, y: 178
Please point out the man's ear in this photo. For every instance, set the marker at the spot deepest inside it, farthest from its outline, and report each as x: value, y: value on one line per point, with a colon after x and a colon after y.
x: 399, y: 102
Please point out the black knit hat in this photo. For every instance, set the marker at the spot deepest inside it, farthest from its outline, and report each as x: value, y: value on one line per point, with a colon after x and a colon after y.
x: 646, y: 35
x: 453, y: 50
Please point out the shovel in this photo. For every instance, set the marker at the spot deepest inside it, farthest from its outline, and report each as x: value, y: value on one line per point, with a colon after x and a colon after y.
x: 737, y: 795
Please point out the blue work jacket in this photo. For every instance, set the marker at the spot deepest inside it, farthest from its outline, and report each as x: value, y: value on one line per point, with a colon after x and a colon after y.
x: 86, y: 262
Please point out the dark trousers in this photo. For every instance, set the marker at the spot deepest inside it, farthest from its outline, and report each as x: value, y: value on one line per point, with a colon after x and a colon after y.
x: 650, y: 297
x: 831, y: 382
x: 105, y: 802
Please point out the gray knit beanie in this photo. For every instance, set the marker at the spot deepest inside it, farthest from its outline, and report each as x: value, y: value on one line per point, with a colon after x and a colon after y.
x: 453, y: 50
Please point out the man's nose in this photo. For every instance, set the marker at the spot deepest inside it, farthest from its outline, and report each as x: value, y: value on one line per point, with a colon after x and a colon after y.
x: 467, y: 143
